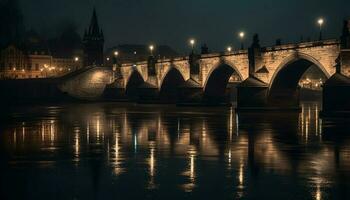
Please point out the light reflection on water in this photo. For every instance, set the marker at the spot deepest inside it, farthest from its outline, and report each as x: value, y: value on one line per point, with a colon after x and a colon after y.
x: 108, y: 150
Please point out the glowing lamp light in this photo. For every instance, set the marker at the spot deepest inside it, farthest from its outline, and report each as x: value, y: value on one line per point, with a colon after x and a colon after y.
x: 76, y: 59
x: 320, y: 21
x: 229, y: 49
x: 241, y: 34
x: 116, y: 53
x: 151, y: 47
x: 192, y: 42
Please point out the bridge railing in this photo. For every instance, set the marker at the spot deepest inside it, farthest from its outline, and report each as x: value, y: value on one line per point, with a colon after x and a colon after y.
x: 288, y: 46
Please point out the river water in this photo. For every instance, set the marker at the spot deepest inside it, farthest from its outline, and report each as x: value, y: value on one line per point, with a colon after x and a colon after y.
x: 125, y: 151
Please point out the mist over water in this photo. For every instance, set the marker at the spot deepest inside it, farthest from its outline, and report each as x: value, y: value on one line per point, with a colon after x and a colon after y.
x: 125, y: 151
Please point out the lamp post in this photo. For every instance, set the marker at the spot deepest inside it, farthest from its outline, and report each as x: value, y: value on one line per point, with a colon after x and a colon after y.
x: 76, y: 60
x: 192, y: 43
x: 151, y: 48
x: 229, y: 49
x: 241, y: 36
x: 320, y: 22
x: 115, y: 61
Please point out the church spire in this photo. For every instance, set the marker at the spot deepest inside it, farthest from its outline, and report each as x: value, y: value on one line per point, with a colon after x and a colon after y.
x: 94, y: 29
x: 93, y: 42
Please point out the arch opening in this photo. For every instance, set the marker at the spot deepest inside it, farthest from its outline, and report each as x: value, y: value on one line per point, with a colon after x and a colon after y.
x: 131, y: 89
x: 221, y: 85
x: 169, y: 89
x: 289, y: 87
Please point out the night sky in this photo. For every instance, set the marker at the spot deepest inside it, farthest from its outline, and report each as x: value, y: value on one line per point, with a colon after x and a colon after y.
x: 173, y: 22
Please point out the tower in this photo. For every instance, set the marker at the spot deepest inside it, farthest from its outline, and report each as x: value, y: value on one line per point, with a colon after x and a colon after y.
x: 93, y: 42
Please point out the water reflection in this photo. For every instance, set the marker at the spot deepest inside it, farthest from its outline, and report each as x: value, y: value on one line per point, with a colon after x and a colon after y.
x: 181, y: 150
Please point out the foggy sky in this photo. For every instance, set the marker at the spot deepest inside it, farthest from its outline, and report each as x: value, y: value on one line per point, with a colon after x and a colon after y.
x: 173, y: 22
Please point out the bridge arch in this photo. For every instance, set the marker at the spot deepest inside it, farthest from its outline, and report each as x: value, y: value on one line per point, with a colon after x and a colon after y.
x: 134, y: 81
x: 215, y: 87
x: 169, y: 84
x: 283, y: 86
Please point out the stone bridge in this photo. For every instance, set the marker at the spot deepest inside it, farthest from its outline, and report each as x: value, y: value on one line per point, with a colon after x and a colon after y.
x: 207, y: 77
x: 266, y: 76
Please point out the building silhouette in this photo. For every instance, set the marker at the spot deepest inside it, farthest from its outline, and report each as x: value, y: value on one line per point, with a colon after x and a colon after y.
x: 93, y: 43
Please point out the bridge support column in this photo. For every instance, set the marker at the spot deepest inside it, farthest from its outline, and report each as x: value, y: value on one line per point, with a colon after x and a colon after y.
x: 116, y: 90
x: 251, y: 95
x: 336, y: 96
x: 252, y: 92
x: 191, y: 92
x: 148, y: 92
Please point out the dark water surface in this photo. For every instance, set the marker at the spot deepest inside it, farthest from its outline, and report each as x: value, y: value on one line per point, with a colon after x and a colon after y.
x: 116, y: 151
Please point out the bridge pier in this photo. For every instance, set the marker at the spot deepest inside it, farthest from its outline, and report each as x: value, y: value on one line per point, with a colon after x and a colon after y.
x: 190, y: 93
x: 115, y: 92
x: 336, y: 96
x: 148, y: 93
x: 251, y: 95
x: 284, y: 99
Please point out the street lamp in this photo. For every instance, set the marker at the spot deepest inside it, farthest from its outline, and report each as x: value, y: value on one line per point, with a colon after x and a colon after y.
x: 229, y: 49
x: 241, y: 36
x: 151, y: 48
x: 116, y: 53
x: 320, y: 22
x: 192, y: 43
x: 76, y: 60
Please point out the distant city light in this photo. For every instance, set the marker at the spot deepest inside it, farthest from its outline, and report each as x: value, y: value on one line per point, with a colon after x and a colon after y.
x: 116, y: 53
x: 107, y: 58
x: 76, y: 59
x: 229, y: 49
